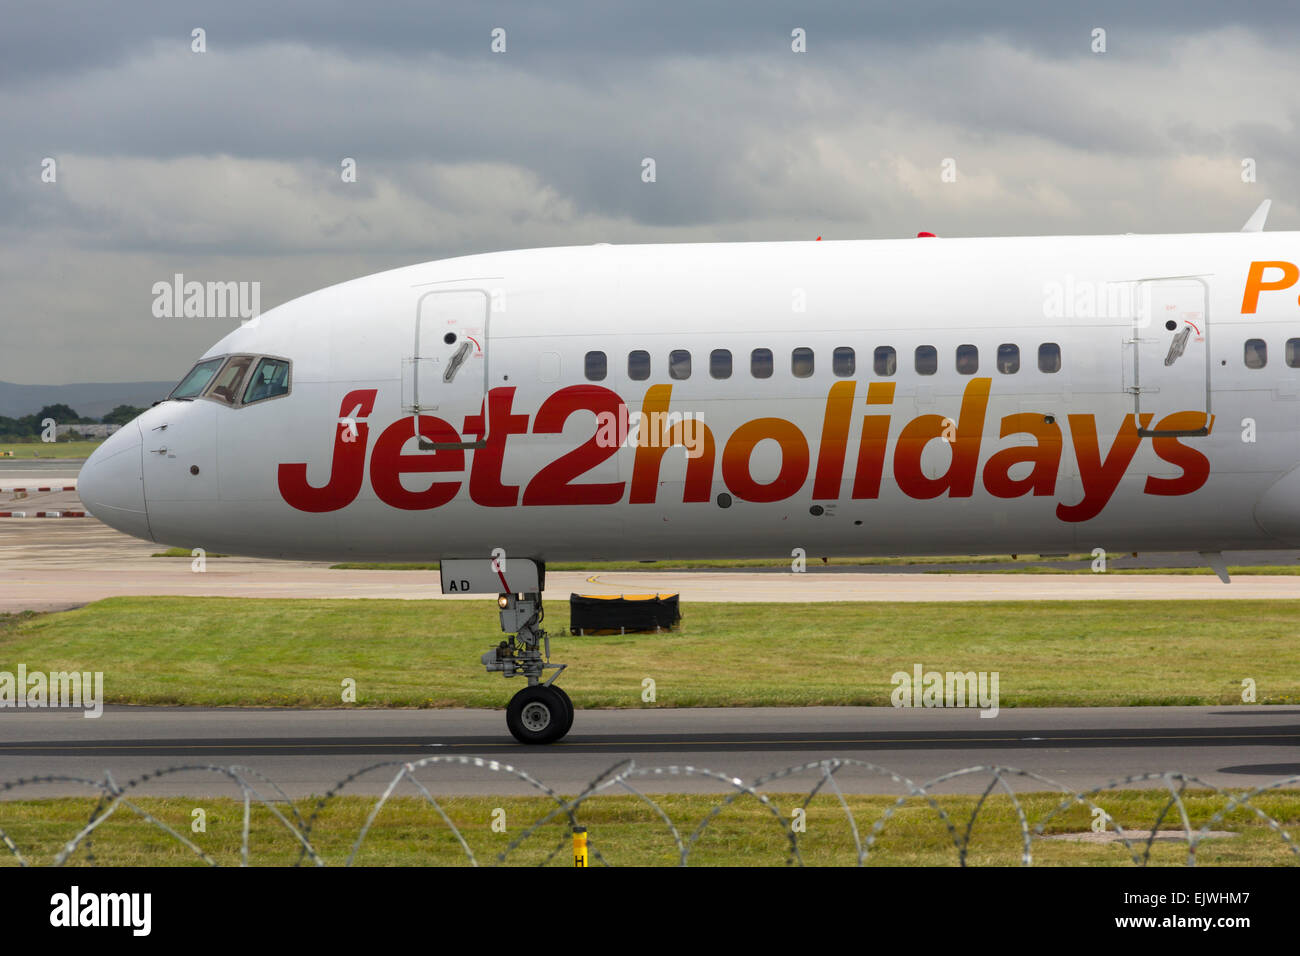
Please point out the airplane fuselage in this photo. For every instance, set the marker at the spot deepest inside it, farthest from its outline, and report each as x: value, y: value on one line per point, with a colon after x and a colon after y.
x: 928, y: 396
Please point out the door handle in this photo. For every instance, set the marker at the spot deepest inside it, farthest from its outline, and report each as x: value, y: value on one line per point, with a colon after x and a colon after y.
x: 1177, y: 346
x: 457, y: 360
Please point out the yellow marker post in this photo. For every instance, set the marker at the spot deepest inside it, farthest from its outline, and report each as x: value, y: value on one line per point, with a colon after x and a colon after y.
x: 579, y: 846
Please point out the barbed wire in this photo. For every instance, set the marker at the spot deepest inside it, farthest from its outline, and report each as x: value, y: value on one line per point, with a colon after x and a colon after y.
x: 255, y: 789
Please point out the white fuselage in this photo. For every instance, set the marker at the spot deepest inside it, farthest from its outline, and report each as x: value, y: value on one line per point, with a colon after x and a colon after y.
x: 959, y: 450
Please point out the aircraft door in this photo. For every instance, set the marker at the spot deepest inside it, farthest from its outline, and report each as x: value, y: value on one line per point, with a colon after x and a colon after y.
x: 446, y: 377
x: 1167, y: 368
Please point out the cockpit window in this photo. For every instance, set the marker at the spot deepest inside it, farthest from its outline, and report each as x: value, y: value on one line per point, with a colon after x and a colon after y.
x: 236, y: 380
x: 229, y: 381
x: 270, y: 378
x: 192, y: 385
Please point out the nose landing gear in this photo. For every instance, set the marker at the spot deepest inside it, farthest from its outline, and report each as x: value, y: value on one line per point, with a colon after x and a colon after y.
x: 540, y: 713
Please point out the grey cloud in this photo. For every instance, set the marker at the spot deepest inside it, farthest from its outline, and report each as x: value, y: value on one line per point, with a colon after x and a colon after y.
x: 62, y: 36
x: 225, y: 165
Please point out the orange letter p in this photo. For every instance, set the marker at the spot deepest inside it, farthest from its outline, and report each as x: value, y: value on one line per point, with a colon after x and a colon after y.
x: 1255, y: 283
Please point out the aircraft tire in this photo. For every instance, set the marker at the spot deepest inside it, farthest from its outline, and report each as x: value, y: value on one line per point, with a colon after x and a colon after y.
x: 537, y: 715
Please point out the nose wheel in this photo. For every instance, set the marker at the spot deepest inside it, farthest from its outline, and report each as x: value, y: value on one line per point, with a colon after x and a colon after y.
x: 539, y: 714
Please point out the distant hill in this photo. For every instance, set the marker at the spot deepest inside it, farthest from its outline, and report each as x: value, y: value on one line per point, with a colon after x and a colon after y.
x: 91, y: 400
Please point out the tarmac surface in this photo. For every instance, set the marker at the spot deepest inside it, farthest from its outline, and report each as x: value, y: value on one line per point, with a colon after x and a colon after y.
x: 309, y: 752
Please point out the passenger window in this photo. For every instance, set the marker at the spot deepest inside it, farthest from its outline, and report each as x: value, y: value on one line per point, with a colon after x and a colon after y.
x: 760, y: 363
x: 679, y: 364
x: 1049, y: 357
x: 1256, y: 353
x: 885, y: 361
x: 596, y: 366
x: 1293, y: 353
x: 638, y: 365
x: 927, y: 360
x: 968, y: 359
x: 801, y: 362
x: 196, y: 380
x: 228, y: 383
x: 1008, y: 359
x: 720, y: 363
x: 843, y: 361
x: 270, y: 378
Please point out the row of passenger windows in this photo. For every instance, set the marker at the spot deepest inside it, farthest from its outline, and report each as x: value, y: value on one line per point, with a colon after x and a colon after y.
x: 1257, y: 353
x: 844, y: 362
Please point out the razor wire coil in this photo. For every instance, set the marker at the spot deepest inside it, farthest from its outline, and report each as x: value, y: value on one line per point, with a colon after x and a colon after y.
x: 256, y: 790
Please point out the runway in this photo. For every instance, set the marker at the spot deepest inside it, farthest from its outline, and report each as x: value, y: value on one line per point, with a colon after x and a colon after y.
x: 308, y: 751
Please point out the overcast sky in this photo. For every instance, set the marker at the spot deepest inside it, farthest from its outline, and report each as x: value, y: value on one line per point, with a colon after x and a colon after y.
x: 225, y: 165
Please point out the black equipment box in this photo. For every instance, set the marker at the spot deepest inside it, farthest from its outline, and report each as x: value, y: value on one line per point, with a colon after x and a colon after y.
x: 595, y: 614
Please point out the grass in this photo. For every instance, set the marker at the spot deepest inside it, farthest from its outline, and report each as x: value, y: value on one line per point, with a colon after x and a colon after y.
x: 235, y: 651
x: 40, y: 449
x: 626, y: 831
x: 183, y: 553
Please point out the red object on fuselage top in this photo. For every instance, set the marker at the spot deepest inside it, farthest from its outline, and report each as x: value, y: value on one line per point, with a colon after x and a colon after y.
x: 926, y: 235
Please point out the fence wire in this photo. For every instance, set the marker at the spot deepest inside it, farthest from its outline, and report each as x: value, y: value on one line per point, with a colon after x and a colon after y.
x: 627, y: 777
